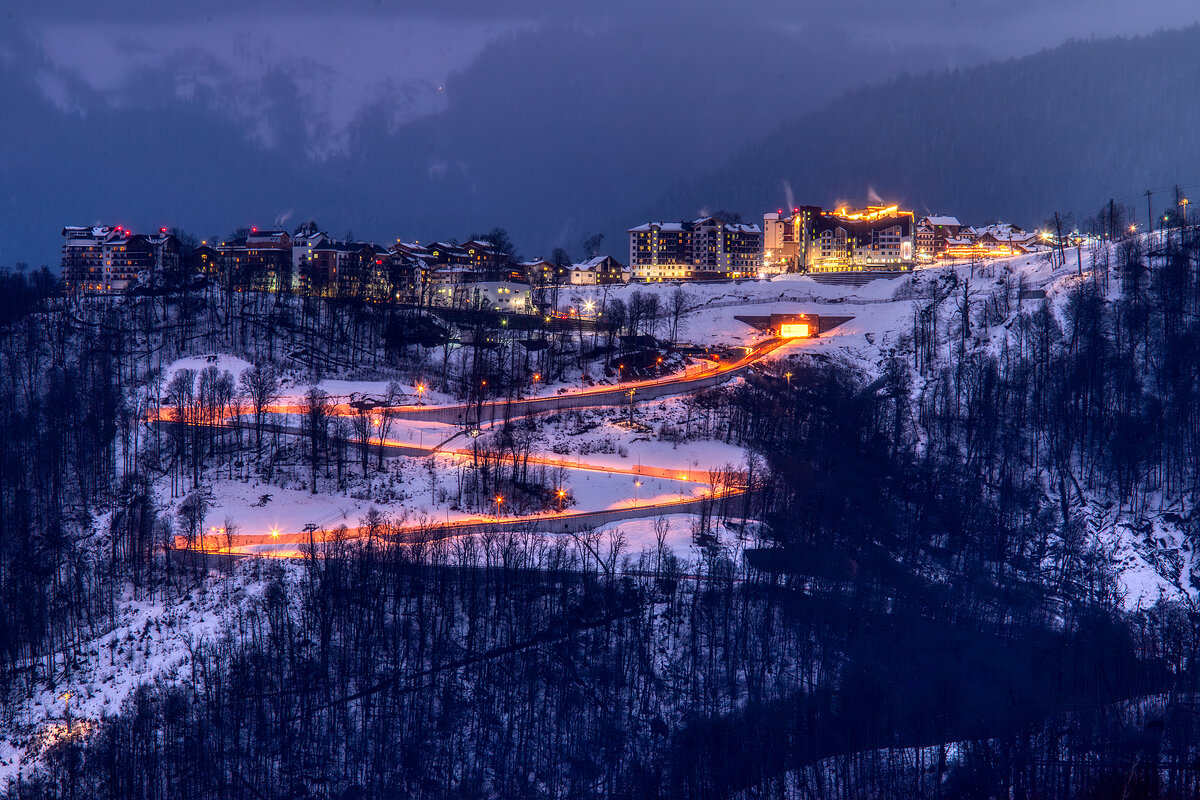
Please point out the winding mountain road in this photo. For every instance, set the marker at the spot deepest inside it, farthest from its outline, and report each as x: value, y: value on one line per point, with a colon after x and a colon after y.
x: 287, y: 544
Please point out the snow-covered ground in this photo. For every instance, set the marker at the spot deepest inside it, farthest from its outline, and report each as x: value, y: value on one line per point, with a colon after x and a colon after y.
x: 1150, y: 565
x: 152, y: 641
x: 422, y: 491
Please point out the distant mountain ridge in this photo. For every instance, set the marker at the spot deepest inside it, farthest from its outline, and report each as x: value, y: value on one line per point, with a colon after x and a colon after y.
x: 555, y: 133
x: 1064, y: 129
x: 553, y: 136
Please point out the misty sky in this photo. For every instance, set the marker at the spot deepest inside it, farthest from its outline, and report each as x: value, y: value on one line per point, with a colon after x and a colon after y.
x: 433, y: 119
x: 398, y: 54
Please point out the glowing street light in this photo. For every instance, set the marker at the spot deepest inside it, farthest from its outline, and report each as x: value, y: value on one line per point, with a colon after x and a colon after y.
x: 499, y: 501
x: 636, y: 484
x: 274, y: 533
x: 66, y: 698
x: 561, y: 494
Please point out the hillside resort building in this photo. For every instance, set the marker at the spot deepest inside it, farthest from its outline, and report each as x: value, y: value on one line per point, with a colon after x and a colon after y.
x: 811, y: 239
x: 704, y: 249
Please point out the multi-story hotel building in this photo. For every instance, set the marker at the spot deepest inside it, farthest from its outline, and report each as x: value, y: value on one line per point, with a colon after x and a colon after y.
x: 787, y: 238
x: 704, y: 249
x: 932, y: 233
x: 814, y: 240
x: 259, y: 260
x: 107, y: 260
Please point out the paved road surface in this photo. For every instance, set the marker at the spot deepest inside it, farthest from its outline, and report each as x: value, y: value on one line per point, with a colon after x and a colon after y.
x: 494, y: 411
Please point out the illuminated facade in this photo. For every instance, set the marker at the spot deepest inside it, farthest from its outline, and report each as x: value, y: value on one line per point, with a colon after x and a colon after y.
x: 934, y: 231
x: 345, y: 269
x: 811, y: 239
x: 787, y: 239
x: 998, y: 240
x: 598, y: 271
x: 109, y: 260
x: 260, y: 260
x: 704, y: 249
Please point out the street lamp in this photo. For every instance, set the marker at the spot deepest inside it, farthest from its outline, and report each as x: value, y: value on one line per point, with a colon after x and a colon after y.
x: 561, y: 494
x: 631, y: 393
x: 636, y: 484
x: 421, y: 391
x: 499, y: 501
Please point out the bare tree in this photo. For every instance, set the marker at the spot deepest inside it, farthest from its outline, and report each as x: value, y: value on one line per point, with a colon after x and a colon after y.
x: 676, y: 308
x: 384, y: 421
x: 316, y: 427
x: 261, y: 385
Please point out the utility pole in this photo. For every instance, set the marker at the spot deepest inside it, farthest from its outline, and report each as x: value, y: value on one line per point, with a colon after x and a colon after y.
x: 1149, y: 214
x: 310, y: 529
x: 630, y: 393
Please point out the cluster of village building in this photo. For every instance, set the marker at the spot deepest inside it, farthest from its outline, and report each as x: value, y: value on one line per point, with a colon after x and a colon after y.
x: 478, y: 273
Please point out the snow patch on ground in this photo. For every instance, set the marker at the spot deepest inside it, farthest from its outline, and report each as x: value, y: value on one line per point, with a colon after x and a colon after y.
x: 152, y: 641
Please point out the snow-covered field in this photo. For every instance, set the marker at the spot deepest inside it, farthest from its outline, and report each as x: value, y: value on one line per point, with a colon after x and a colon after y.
x: 153, y: 640
x: 1151, y: 564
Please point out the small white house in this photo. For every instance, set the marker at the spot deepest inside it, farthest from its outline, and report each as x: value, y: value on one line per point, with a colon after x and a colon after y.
x: 598, y: 270
x: 499, y: 296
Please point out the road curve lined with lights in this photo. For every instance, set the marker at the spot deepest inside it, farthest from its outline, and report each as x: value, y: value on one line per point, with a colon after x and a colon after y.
x: 498, y: 410
x: 287, y: 544
x: 290, y: 545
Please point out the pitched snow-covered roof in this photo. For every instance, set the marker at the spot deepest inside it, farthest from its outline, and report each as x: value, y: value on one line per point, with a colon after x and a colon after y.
x: 662, y: 226
x: 594, y: 263
x: 1006, y: 232
x: 946, y: 221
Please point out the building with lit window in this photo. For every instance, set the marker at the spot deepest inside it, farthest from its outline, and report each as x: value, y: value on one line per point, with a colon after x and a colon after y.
x: 600, y: 270
x: 876, y: 237
x: 109, y: 260
x: 787, y: 239
x: 814, y: 240
x: 704, y: 249
x: 934, y: 231
x: 998, y: 240
x: 345, y: 269
x: 260, y: 260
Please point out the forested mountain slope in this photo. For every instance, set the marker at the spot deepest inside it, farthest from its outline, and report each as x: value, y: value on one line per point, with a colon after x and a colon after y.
x: 1060, y: 130
x: 912, y: 597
